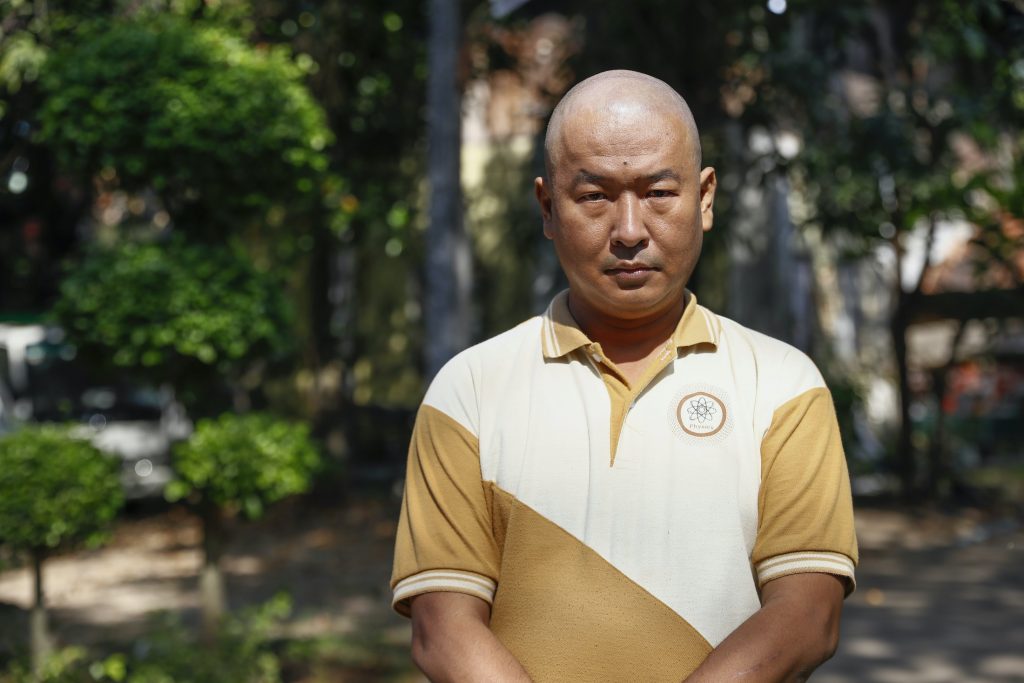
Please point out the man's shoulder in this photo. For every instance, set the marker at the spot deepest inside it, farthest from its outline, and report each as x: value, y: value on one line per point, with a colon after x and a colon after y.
x: 500, y: 354
x: 498, y: 350
x: 778, y: 362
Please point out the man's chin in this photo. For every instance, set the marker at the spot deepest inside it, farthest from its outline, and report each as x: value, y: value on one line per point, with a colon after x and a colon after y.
x: 631, y: 303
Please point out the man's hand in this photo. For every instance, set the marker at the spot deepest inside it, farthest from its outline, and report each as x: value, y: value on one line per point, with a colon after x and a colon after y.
x: 451, y: 641
x: 796, y: 630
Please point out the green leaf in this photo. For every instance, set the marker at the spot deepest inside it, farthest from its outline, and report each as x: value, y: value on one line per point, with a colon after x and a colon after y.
x: 247, y: 461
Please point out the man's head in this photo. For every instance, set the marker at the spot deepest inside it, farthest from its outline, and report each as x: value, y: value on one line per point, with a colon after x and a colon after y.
x: 624, y: 198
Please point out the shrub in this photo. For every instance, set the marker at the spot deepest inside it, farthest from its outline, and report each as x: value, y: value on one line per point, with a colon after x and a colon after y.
x: 244, y: 462
x: 240, y: 653
x: 54, y: 489
x: 237, y: 462
x: 173, y: 312
x: 219, y: 128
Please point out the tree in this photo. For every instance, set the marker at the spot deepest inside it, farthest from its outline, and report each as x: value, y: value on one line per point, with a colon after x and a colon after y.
x: 369, y: 72
x: 237, y: 463
x: 221, y: 130
x: 888, y: 162
x: 876, y: 102
x: 201, y: 318
x: 446, y: 300
x: 224, y: 79
x: 54, y: 489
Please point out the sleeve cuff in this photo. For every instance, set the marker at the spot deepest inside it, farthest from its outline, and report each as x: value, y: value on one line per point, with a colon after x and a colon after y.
x: 836, y: 564
x: 441, y: 580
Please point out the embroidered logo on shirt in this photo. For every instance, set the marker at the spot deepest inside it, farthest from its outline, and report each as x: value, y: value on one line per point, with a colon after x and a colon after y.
x: 701, y: 411
x: 701, y: 414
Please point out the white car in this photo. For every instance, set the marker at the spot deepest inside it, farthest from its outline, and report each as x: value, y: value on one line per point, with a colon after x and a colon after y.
x: 41, y: 380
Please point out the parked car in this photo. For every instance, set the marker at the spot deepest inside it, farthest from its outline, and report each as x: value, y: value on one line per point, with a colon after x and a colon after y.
x: 42, y: 380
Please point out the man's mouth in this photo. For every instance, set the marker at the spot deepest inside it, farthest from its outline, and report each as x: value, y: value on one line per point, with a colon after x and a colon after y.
x: 630, y: 275
x: 629, y: 268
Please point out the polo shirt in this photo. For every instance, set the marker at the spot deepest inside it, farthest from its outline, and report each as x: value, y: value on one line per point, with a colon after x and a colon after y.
x: 621, y: 531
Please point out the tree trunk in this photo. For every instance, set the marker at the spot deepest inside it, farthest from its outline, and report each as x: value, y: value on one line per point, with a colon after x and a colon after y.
x: 905, y: 305
x: 448, y: 260
x: 321, y: 345
x: 940, y: 469
x: 211, y: 579
x: 40, y: 643
x: 904, y: 444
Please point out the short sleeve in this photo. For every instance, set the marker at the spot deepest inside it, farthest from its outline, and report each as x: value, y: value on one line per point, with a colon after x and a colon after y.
x: 444, y: 540
x: 805, y: 521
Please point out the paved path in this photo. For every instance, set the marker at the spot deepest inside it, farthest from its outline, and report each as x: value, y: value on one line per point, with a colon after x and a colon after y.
x: 939, y: 599
x: 935, y: 615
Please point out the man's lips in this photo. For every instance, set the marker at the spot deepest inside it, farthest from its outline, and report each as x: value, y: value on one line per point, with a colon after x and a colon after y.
x: 630, y: 274
x: 629, y: 268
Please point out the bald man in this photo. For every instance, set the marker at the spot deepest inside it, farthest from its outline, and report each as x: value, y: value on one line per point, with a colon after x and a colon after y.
x: 628, y: 487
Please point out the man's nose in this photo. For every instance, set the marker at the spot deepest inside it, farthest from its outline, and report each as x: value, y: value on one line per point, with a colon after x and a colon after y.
x: 629, y: 229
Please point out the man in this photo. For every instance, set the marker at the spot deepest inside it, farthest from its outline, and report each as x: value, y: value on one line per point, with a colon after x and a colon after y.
x: 629, y: 487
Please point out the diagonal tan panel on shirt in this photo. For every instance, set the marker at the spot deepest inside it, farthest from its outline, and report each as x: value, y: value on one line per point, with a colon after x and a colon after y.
x: 568, y: 615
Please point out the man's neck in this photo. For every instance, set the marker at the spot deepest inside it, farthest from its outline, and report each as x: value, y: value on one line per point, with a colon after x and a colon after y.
x: 628, y: 341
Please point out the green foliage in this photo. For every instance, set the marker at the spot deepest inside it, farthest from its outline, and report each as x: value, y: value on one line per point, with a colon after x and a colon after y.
x: 68, y: 665
x: 21, y: 58
x: 173, y: 312
x: 54, y: 488
x: 368, y: 69
x: 879, y: 161
x: 169, y: 654
x: 219, y: 128
x: 240, y: 654
x: 244, y: 461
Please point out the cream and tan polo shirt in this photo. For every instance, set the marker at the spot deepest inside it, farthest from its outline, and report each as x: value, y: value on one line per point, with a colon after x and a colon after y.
x: 621, y: 532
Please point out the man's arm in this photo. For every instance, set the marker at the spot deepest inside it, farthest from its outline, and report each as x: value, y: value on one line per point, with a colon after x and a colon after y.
x: 452, y: 641
x: 795, y: 631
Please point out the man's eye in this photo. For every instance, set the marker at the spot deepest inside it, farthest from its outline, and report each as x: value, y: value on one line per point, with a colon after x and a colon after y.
x: 592, y: 197
x: 658, y: 194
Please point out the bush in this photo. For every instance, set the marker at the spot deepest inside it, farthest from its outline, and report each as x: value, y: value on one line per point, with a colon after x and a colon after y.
x: 55, y: 488
x: 244, y: 462
x: 173, y: 312
x: 219, y: 128
x: 241, y: 653
x: 237, y: 462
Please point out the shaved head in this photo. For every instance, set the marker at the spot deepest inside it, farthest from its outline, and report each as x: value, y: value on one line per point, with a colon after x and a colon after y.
x: 618, y: 94
x: 625, y: 201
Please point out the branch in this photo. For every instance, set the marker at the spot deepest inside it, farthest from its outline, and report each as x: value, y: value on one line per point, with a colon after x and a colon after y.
x: 1008, y: 264
x: 928, y: 248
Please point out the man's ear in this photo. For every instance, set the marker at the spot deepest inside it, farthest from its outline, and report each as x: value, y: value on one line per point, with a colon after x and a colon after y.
x: 708, y: 185
x: 541, y: 191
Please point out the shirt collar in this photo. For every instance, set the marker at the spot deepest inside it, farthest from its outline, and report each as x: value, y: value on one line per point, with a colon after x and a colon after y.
x: 561, y: 334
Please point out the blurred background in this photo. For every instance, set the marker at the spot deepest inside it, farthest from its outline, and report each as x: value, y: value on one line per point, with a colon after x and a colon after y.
x: 238, y: 238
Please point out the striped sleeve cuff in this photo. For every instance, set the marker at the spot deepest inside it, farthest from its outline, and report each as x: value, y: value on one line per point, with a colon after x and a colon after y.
x: 806, y: 562
x: 441, y: 580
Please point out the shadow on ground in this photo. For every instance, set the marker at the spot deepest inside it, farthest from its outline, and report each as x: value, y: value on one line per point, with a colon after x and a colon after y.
x: 939, y: 598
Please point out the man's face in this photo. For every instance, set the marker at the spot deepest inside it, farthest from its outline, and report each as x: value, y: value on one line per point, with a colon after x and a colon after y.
x: 626, y: 208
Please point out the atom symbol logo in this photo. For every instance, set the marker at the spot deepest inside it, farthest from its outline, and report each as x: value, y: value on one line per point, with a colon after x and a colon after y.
x: 701, y: 414
x: 701, y: 410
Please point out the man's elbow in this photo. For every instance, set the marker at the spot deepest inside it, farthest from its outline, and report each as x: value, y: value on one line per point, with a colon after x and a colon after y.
x: 421, y: 652
x: 827, y: 633
x: 445, y: 627
x: 814, y: 605
x: 424, y: 646
x: 829, y: 643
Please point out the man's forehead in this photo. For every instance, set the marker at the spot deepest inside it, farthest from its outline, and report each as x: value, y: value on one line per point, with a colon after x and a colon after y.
x: 621, y: 122
x: 584, y: 176
x: 646, y: 143
x: 621, y: 113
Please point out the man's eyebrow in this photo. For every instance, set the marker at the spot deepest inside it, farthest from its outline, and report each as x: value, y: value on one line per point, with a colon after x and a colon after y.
x: 584, y: 177
x: 666, y: 174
